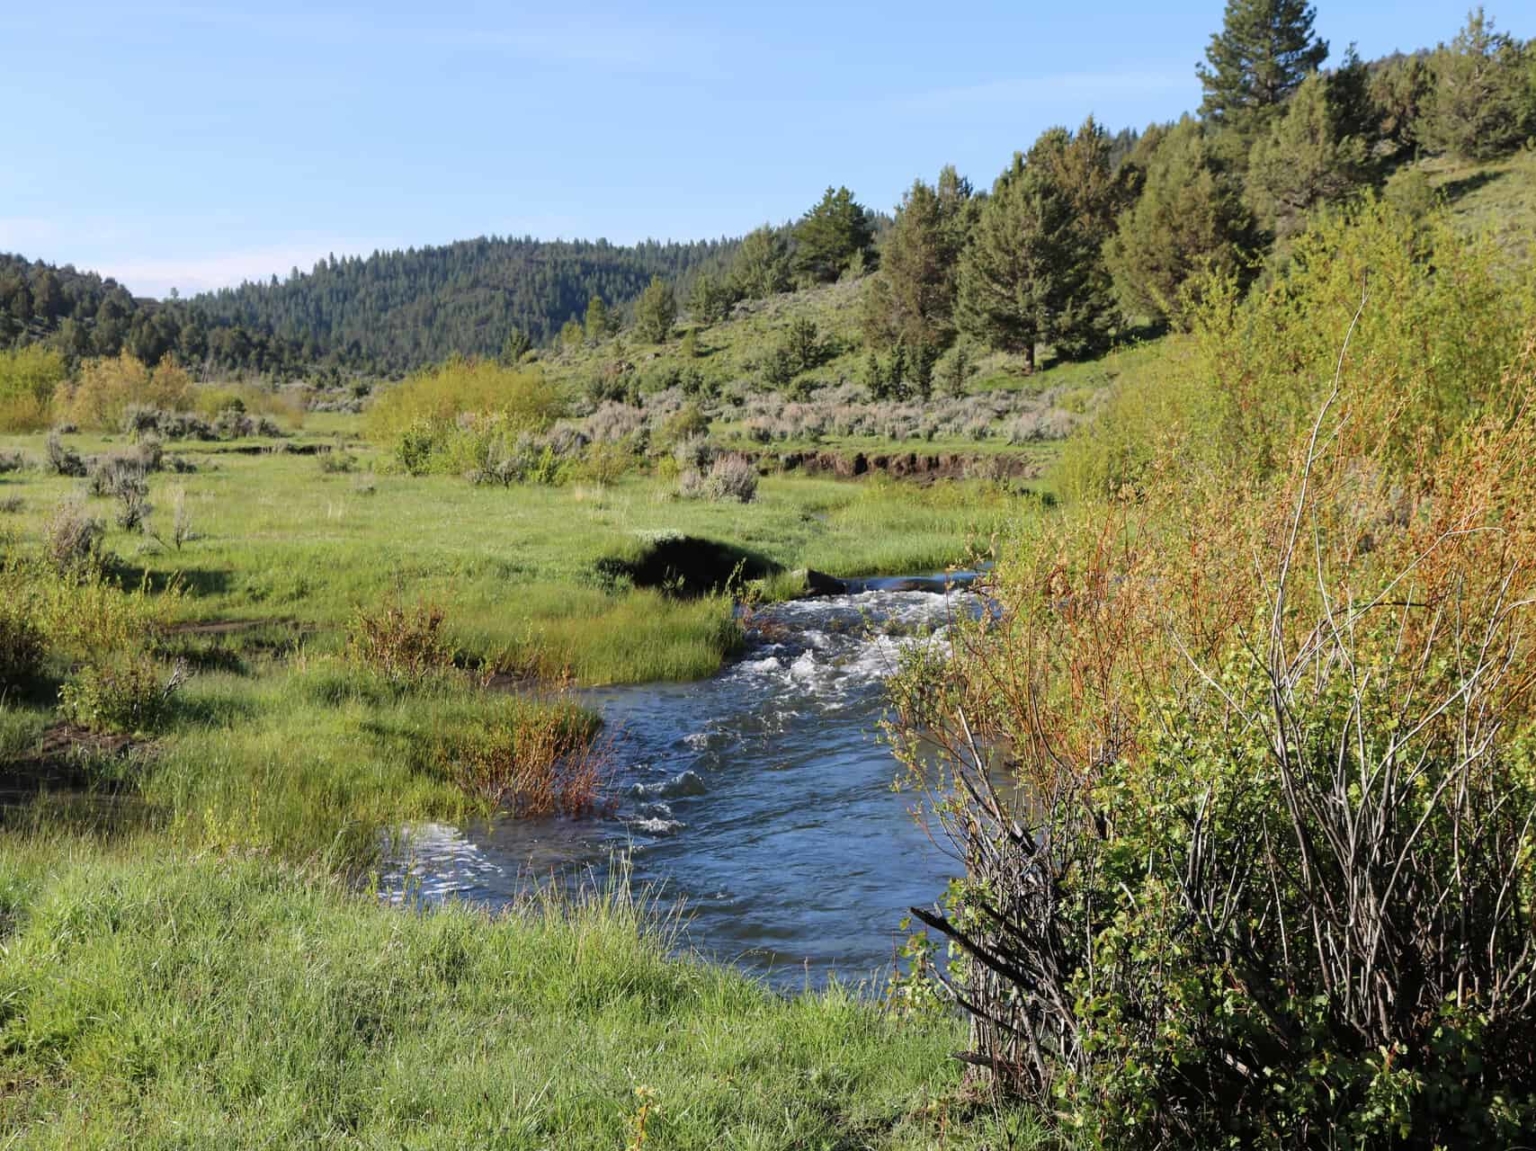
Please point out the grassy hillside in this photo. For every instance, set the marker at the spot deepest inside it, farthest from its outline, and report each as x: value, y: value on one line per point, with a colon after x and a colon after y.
x: 1499, y: 197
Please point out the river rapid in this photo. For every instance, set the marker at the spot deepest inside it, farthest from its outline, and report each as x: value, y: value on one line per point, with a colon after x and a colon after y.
x: 761, y: 798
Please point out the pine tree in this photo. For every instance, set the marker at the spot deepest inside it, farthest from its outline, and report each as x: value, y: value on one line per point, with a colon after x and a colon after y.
x: 1400, y: 91
x: 710, y: 300
x: 1188, y: 222
x: 656, y: 312
x: 1033, y: 272
x: 830, y: 234
x: 1259, y: 58
x: 517, y: 346
x: 912, y: 297
x: 1480, y: 107
x: 1308, y: 158
x: 874, y: 377
x: 761, y: 267
x: 598, y: 325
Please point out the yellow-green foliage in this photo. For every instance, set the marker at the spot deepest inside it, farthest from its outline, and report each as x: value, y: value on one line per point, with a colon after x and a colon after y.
x: 29, y: 377
x: 1442, y: 317
x: 107, y: 387
x: 519, y: 397
x: 211, y: 399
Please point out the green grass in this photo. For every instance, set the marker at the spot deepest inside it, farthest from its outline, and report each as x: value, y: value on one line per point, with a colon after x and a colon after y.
x: 1497, y: 197
x: 278, y: 541
x: 155, y: 999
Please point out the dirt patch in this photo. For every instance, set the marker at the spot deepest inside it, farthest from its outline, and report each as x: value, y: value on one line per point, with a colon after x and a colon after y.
x: 920, y: 466
x: 58, y: 762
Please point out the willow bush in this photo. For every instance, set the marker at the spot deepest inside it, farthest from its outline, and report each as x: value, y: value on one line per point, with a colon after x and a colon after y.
x: 1241, y: 761
x: 454, y: 417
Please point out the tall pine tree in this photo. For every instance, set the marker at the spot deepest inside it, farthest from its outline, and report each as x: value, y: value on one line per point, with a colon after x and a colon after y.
x: 1032, y: 273
x: 1259, y: 58
x: 912, y: 298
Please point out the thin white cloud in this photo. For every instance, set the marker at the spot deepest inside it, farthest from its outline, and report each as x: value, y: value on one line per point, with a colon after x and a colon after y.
x: 1073, y: 87
x: 189, y: 275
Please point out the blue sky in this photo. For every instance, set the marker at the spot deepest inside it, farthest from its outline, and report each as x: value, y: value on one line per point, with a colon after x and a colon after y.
x: 196, y: 144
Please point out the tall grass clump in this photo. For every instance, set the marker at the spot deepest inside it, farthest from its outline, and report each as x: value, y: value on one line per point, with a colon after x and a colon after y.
x: 1266, y: 877
x: 233, y: 1000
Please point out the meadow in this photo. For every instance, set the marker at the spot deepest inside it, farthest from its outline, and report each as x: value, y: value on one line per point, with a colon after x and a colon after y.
x: 191, y: 950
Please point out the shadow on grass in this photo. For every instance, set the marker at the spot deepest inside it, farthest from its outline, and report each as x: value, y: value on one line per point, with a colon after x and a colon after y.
x: 683, y: 566
x: 1454, y: 190
x: 196, y: 581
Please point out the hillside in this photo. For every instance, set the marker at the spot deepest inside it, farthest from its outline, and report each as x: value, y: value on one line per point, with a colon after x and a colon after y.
x: 385, y: 313
x: 398, y: 310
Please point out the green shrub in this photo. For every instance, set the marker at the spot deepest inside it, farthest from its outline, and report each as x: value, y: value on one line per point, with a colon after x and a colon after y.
x: 126, y: 693
x: 521, y: 398
x: 22, y: 646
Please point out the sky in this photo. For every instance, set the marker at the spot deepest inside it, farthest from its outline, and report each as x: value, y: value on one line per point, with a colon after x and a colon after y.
x: 195, y: 145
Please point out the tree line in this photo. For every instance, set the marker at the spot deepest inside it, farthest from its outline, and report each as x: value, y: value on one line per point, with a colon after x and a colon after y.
x: 1088, y: 233
x: 1084, y: 236
x: 382, y: 314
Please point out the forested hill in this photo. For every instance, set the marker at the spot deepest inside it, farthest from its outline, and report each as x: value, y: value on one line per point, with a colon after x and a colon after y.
x: 397, y: 310
x: 388, y: 312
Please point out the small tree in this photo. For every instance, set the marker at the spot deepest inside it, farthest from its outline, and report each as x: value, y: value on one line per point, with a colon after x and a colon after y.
x: 830, y: 234
x: 517, y: 346
x: 710, y: 300
x: 761, y: 266
x: 656, y: 312
x: 1480, y: 105
x: 803, y: 342
x: 599, y: 325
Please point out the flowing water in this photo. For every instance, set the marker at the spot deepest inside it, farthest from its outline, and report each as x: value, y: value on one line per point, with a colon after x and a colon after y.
x: 761, y: 797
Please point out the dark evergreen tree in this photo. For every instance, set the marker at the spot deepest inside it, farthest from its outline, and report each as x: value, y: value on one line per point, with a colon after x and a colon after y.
x: 1400, y: 90
x: 831, y: 234
x: 1259, y: 58
x: 1033, y: 272
x: 912, y: 298
x: 761, y: 267
x: 1189, y: 221
x: 1480, y: 107
x: 1308, y: 158
x: 656, y: 312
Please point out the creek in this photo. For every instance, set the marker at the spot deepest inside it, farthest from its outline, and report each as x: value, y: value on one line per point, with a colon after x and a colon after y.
x: 761, y: 798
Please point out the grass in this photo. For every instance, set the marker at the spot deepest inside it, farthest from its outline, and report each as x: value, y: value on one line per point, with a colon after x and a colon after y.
x: 164, y: 1000
x: 1498, y: 197
x: 281, y: 543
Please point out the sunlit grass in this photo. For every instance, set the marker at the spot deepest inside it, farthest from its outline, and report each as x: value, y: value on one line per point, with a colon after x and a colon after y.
x: 155, y: 999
